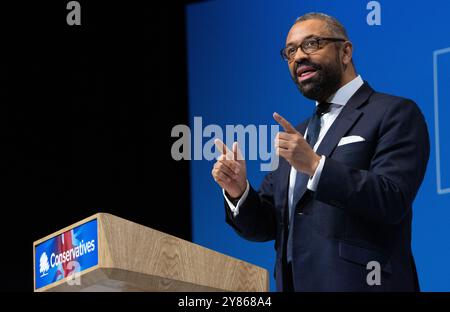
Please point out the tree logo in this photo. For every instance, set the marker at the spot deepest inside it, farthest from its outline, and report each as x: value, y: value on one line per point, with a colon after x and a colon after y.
x: 43, y: 264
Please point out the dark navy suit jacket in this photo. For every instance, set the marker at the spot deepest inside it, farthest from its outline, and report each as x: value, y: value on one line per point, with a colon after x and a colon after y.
x: 362, y: 208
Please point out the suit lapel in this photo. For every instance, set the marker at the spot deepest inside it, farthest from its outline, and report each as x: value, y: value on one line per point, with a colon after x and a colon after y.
x: 348, y: 116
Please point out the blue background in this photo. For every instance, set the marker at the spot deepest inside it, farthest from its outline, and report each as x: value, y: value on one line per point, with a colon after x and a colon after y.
x: 236, y: 76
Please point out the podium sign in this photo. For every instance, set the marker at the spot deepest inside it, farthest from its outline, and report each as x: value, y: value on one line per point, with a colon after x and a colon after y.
x: 108, y: 253
x: 66, y: 254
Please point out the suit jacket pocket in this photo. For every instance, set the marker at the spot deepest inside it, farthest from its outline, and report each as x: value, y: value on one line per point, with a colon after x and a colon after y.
x: 357, y: 155
x: 363, y: 256
x: 355, y: 147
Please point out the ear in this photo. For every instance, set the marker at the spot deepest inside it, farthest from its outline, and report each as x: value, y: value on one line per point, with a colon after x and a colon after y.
x: 347, y: 53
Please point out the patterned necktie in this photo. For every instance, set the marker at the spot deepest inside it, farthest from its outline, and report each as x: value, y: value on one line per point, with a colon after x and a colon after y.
x: 301, y: 180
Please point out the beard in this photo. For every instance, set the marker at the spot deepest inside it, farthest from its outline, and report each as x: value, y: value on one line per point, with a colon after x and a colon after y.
x: 323, y: 84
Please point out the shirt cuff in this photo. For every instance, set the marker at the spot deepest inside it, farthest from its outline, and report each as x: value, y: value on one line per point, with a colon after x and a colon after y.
x: 314, y: 180
x: 233, y: 208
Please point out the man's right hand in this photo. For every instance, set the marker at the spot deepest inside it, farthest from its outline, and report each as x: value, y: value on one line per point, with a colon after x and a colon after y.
x: 230, y: 171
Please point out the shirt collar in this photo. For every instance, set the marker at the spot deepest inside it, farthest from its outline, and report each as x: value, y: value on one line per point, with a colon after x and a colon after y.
x: 344, y: 94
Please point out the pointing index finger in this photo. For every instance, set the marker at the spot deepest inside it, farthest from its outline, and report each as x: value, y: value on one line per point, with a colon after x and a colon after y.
x: 223, y: 148
x: 284, y: 123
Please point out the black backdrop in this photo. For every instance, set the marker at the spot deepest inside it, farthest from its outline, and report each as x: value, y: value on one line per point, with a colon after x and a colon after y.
x: 85, y: 119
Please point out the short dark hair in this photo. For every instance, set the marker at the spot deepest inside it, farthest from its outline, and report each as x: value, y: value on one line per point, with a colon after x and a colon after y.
x: 333, y: 25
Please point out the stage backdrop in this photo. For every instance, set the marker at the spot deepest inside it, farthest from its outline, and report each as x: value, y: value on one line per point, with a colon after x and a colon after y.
x: 236, y: 76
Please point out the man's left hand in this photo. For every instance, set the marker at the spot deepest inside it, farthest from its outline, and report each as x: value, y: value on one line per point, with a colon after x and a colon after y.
x: 292, y: 146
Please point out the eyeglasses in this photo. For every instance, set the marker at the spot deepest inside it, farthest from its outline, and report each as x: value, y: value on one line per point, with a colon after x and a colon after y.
x: 308, y: 46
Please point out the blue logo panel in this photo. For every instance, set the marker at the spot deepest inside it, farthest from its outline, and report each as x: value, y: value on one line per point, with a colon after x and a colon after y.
x: 68, y: 253
x: 442, y: 112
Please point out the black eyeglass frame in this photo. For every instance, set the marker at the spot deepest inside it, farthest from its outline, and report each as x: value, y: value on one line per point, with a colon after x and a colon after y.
x: 301, y: 46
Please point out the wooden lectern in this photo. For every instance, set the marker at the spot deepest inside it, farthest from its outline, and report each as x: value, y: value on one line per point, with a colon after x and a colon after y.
x: 132, y: 257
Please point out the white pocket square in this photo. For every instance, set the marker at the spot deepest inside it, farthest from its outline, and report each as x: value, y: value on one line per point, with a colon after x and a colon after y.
x: 350, y: 139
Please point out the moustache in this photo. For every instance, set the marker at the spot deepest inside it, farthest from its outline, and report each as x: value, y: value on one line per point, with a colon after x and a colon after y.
x: 306, y: 63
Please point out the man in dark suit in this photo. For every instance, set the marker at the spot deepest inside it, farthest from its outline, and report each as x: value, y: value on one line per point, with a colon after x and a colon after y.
x: 339, y: 205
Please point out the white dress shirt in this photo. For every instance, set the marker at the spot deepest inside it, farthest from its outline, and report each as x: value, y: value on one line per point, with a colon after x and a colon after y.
x: 337, y: 101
